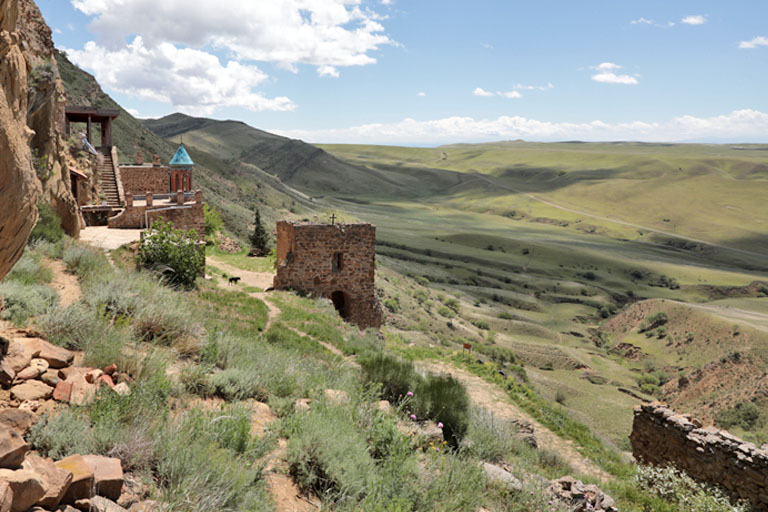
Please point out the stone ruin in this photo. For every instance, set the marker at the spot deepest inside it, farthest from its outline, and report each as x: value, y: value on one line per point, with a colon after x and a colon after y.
x: 335, y: 261
x: 662, y: 437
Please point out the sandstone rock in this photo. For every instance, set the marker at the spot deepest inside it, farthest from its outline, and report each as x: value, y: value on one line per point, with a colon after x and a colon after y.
x: 31, y: 390
x: 502, y: 476
x: 57, y: 357
x: 36, y: 368
x: 6, y: 496
x: 82, y: 479
x: 122, y: 389
x: 101, y: 504
x: 55, y: 480
x: 7, y: 373
x: 19, y: 187
x: 93, y: 375
x: 26, y: 486
x: 302, y: 404
x: 107, y: 474
x: 18, y: 356
x: 145, y: 506
x: 12, y: 449
x: 105, y: 379
x: 82, y: 393
x: 62, y: 391
x: 384, y: 406
x: 17, y: 419
x: 336, y: 396
x: 110, y: 370
x: 30, y: 405
x: 73, y: 373
x: 581, y: 497
x: 83, y: 504
x: 66, y: 508
x: 50, y: 377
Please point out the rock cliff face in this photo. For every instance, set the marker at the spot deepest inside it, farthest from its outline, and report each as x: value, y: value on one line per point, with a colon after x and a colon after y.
x: 32, y: 146
x: 19, y: 187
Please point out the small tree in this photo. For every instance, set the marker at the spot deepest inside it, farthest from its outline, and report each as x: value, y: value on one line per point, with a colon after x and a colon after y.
x: 172, y: 253
x: 259, y: 238
x: 212, y: 220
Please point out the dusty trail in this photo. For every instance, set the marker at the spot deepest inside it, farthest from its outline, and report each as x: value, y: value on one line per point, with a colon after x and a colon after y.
x: 66, y: 284
x: 491, y: 398
x: 261, y: 280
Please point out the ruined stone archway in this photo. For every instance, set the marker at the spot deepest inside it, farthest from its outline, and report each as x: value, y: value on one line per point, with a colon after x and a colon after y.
x: 339, y: 300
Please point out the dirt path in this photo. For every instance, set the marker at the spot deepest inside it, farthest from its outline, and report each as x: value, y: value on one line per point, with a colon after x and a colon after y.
x: 261, y: 280
x: 491, y: 398
x: 66, y: 284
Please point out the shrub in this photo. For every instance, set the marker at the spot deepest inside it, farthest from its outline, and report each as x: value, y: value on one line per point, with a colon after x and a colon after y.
x: 212, y: 220
x: 85, y: 262
x: 48, y: 227
x: 29, y: 270
x: 173, y: 253
x: 745, y: 415
x: 259, y: 238
x: 491, y: 438
x: 392, y: 305
x: 23, y: 302
x: 445, y: 312
x: 676, y: 487
x: 481, y: 324
x: 453, y: 304
x: 560, y: 397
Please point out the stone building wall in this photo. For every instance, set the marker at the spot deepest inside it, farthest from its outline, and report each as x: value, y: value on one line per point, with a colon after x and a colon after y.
x: 189, y: 216
x: 661, y: 437
x: 184, y: 216
x: 140, y: 179
x: 337, y: 262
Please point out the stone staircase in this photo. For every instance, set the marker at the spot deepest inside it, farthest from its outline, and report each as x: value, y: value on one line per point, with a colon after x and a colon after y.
x: 107, y: 178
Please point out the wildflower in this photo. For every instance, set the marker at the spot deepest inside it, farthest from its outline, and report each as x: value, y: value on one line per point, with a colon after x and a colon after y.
x: 410, y: 393
x: 413, y: 417
x: 439, y: 424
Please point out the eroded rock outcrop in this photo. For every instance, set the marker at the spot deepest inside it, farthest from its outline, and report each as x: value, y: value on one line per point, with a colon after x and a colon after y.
x: 33, y: 160
x: 19, y: 187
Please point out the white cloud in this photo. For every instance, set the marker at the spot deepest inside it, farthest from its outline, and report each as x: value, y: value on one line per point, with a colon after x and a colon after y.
x: 522, y: 87
x: 479, y: 91
x: 754, y: 43
x: 606, y: 75
x: 741, y: 125
x: 57, y: 31
x: 510, y: 94
x: 328, y: 71
x: 191, y: 80
x: 421, y: 94
x: 695, y: 19
x: 320, y: 33
x: 642, y: 21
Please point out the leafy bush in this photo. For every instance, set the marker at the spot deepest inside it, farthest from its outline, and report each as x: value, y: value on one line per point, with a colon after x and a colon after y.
x: 453, y: 304
x: 173, y: 253
x: 481, y: 324
x: 745, y: 415
x: 212, y: 220
x: 48, y: 227
x: 446, y: 312
x: 676, y: 487
x: 654, y: 321
x: 84, y: 261
x: 392, y: 305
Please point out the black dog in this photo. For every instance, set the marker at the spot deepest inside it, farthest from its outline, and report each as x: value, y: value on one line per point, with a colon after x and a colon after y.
x: 233, y: 280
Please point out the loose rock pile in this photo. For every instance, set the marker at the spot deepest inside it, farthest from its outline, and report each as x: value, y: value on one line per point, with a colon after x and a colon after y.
x: 581, y: 497
x: 35, y: 376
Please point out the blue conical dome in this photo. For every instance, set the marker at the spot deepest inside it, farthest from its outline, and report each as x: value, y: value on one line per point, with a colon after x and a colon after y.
x: 181, y: 158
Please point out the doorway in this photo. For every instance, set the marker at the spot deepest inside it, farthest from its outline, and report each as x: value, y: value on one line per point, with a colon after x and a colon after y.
x: 340, y: 303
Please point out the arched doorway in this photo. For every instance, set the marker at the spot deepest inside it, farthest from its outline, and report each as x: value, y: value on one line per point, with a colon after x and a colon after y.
x: 340, y: 303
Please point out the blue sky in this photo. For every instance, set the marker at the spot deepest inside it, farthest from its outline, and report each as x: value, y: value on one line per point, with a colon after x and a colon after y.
x: 428, y: 72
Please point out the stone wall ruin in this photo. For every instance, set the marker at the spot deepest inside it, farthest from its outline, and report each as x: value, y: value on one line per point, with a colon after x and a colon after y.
x: 332, y: 261
x: 662, y: 437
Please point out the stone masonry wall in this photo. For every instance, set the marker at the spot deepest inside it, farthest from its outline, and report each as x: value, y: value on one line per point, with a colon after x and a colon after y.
x: 139, y: 179
x: 661, y: 437
x: 332, y: 261
x: 189, y: 216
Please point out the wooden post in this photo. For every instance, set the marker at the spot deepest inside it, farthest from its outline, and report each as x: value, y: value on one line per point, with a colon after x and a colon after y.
x: 88, y: 131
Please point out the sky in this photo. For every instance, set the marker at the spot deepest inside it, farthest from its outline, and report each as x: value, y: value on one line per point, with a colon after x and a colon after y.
x: 424, y: 72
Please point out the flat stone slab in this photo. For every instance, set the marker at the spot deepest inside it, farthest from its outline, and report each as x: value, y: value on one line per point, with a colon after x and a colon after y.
x: 107, y: 474
x: 31, y: 390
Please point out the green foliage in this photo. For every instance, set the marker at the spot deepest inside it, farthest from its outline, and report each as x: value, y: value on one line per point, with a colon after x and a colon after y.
x: 481, y: 324
x: 260, y: 237
x: 23, y: 302
x: 85, y: 261
x: 453, y: 304
x: 745, y: 415
x: 392, y: 305
x: 48, y: 227
x: 446, y: 312
x: 212, y: 219
x: 30, y: 270
x: 441, y: 399
x: 654, y: 321
x: 677, y: 488
x: 173, y: 253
